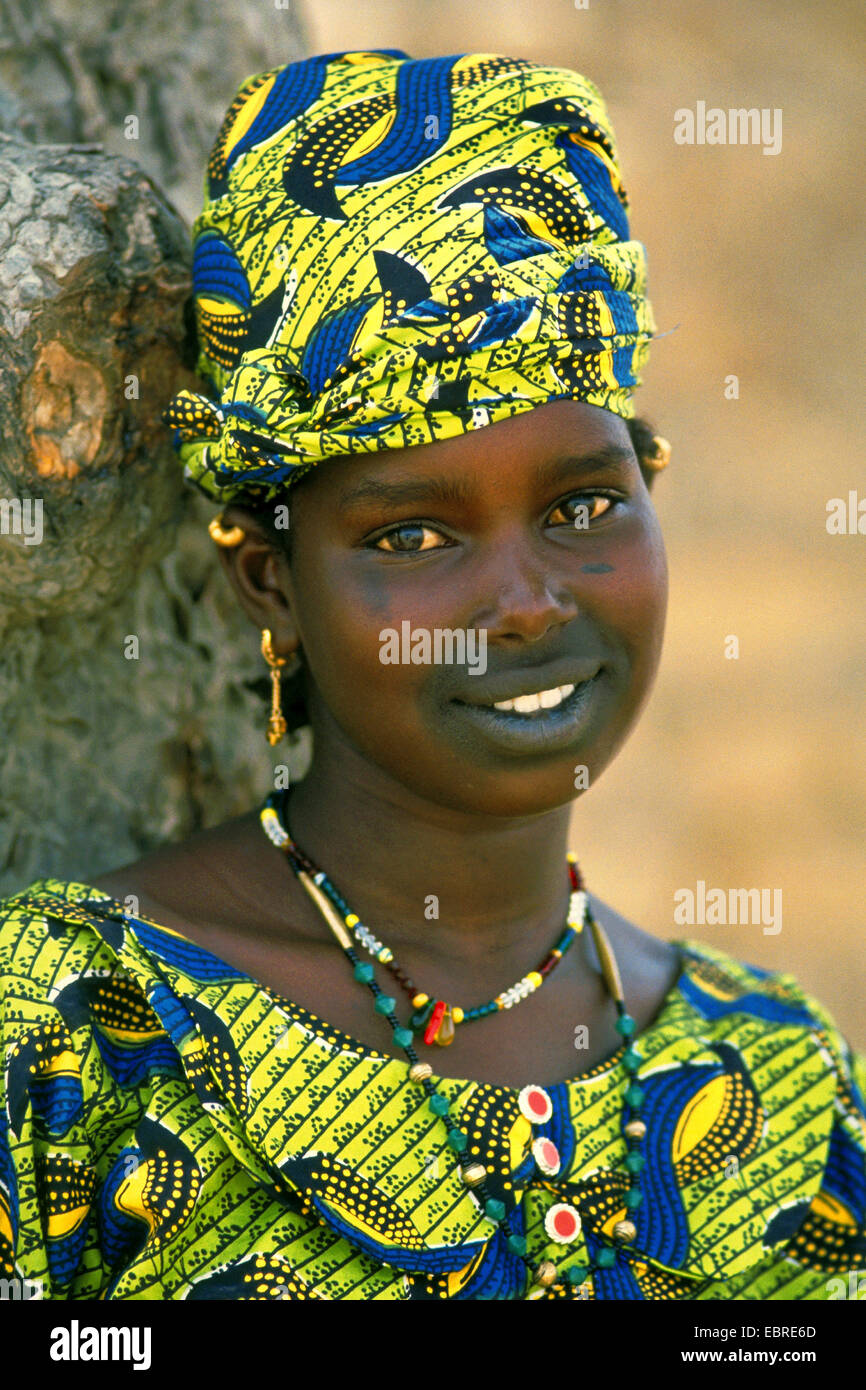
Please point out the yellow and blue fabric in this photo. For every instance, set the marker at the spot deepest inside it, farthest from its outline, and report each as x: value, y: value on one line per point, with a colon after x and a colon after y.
x: 170, y: 1129
x: 394, y: 251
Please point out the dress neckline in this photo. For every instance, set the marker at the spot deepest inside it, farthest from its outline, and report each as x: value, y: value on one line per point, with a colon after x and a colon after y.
x: 330, y: 1032
x: 347, y: 1042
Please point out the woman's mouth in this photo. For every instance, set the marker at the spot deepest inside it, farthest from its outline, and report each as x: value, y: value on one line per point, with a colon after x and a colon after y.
x: 545, y: 720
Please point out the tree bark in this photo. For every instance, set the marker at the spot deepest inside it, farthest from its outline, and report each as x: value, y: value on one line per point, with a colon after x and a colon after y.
x: 132, y: 689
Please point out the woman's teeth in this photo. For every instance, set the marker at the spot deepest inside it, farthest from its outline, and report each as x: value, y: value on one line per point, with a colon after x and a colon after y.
x: 531, y: 704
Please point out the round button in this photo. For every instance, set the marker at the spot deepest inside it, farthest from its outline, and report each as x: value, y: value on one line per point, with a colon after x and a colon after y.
x: 546, y: 1156
x: 562, y: 1223
x: 535, y: 1105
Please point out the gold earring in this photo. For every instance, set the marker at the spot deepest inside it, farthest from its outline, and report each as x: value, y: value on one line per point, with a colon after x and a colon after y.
x: 223, y: 537
x: 276, y: 723
x: 662, y: 456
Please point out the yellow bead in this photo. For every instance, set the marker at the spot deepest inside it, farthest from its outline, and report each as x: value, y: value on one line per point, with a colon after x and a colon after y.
x: 420, y: 1000
x: 445, y: 1032
x: 534, y: 978
x: 457, y: 1014
x: 385, y: 955
x: 352, y: 920
x: 419, y: 1071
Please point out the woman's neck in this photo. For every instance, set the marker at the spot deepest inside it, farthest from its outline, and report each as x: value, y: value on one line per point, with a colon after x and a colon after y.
x: 448, y: 883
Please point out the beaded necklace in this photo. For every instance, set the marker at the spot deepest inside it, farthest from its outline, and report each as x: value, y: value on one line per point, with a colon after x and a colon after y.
x: 437, y: 1018
x: 562, y: 1221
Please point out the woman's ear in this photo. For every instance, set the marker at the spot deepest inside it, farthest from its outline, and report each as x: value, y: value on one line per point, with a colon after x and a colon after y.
x: 258, y: 572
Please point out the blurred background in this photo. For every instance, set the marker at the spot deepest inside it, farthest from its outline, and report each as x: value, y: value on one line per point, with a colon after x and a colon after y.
x: 745, y: 773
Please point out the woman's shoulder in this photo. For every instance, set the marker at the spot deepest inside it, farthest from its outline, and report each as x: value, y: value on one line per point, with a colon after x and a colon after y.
x: 724, y: 989
x: 46, y: 924
x: 774, y: 993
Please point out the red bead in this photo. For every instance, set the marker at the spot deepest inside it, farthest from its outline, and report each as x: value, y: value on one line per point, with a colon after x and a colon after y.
x: 435, y: 1019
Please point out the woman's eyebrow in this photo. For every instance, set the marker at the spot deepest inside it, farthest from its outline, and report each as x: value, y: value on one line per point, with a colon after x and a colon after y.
x: 458, y: 490
x: 608, y: 456
x: 455, y: 490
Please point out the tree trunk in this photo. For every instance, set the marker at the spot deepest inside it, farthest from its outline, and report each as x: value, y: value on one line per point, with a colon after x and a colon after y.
x: 132, y: 689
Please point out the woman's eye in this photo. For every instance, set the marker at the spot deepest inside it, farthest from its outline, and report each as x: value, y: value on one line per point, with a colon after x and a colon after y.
x: 405, y: 539
x: 580, y: 508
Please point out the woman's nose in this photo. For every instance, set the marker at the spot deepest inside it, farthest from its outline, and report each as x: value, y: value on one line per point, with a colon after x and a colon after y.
x: 524, y: 595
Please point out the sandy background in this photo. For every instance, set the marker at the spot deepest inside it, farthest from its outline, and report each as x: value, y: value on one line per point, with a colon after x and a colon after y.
x: 746, y: 773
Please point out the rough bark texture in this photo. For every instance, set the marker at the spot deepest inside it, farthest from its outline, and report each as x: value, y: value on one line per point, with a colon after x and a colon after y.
x: 131, y: 685
x: 73, y: 72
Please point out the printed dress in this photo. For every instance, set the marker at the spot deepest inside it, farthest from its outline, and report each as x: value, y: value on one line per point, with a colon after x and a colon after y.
x: 170, y: 1129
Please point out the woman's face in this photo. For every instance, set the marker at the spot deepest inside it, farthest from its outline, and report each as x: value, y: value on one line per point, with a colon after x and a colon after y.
x: 476, y: 535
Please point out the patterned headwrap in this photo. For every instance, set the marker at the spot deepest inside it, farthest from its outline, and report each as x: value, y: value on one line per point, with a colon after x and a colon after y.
x: 395, y: 251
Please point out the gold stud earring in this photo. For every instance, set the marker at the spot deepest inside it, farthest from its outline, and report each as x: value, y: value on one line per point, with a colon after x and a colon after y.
x: 662, y: 456
x: 225, y: 538
x: 276, y: 723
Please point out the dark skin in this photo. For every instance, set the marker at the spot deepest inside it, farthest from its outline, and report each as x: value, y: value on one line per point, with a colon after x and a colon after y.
x: 405, y: 797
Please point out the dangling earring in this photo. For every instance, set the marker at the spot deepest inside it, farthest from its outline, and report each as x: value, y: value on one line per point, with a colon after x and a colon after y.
x: 276, y: 723
x: 662, y: 456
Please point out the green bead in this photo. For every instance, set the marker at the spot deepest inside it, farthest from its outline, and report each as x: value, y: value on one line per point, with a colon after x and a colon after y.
x: 634, y: 1094
x: 420, y: 1017
x: 439, y: 1105
x: 631, y: 1059
x: 494, y: 1209
x: 364, y: 973
x: 403, y: 1036
x: 625, y: 1025
x: 457, y: 1139
x: 634, y: 1162
x: 517, y: 1245
x: 606, y: 1258
x: 385, y: 1004
x: 633, y: 1199
x: 577, y: 1274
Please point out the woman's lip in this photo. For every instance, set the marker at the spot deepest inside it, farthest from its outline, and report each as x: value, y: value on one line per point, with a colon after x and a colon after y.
x: 547, y: 731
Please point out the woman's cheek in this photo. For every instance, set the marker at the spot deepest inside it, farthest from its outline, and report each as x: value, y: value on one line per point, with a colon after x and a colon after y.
x: 345, y: 641
x: 643, y: 583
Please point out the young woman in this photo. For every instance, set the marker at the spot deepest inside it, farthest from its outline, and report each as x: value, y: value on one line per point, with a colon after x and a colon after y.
x: 374, y: 1040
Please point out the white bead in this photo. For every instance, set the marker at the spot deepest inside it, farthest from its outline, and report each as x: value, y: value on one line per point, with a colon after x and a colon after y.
x: 576, y: 909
